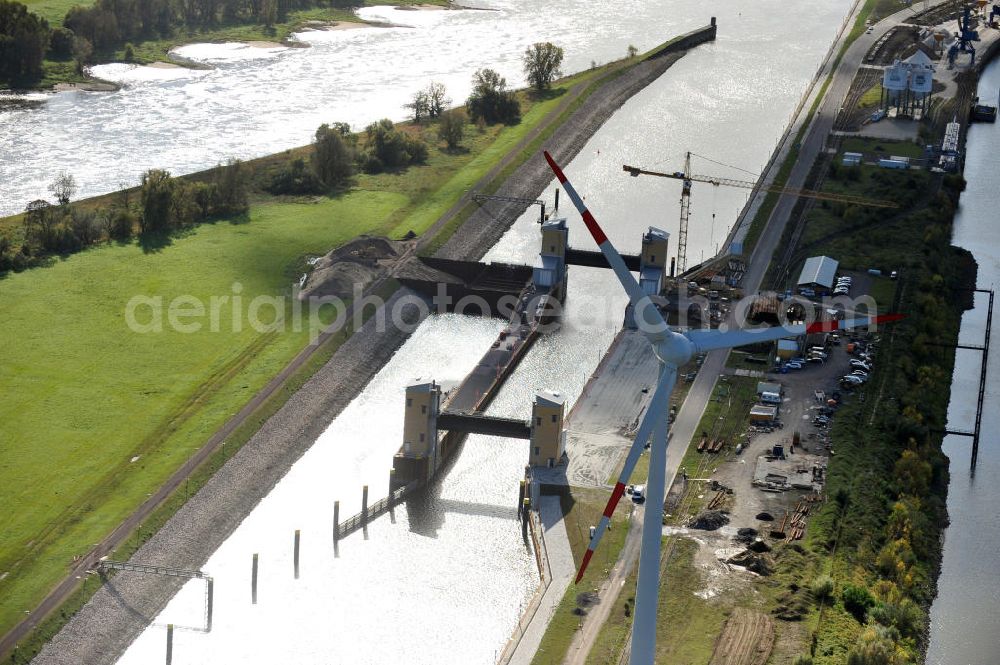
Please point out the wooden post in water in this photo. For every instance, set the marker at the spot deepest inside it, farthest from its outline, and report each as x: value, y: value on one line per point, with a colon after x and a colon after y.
x: 364, y: 510
x: 336, y: 528
x: 295, y: 556
x: 170, y: 643
x: 253, y: 581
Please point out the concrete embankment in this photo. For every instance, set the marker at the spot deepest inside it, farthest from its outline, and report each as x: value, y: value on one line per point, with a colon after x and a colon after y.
x: 122, y: 609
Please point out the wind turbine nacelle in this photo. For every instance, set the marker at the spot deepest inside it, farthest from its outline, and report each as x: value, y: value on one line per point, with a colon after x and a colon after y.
x: 674, y: 349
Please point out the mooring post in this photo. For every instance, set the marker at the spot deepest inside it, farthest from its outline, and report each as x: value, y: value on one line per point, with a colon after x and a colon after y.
x: 336, y: 528
x: 364, y: 510
x: 253, y: 581
x: 170, y: 643
x: 209, y: 601
x: 295, y: 556
x: 557, y: 200
x: 392, y: 503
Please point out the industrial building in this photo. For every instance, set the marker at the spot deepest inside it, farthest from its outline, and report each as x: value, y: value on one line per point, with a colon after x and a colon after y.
x: 907, y: 85
x: 818, y: 274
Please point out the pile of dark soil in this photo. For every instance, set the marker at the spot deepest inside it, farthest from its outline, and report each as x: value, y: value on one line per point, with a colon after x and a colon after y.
x: 710, y: 520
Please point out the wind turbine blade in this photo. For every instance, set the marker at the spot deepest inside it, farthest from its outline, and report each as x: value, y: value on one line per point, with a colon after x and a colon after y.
x: 635, y: 295
x: 648, y: 586
x: 709, y: 340
x: 660, y: 395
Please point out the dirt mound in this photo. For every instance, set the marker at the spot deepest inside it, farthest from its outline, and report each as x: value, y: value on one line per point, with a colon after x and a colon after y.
x: 746, y: 535
x: 765, y: 517
x: 762, y: 564
x: 759, y: 546
x: 710, y: 520
x: 359, y: 262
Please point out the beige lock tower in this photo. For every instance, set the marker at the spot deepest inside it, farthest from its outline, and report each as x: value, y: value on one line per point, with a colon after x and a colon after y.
x: 548, y: 439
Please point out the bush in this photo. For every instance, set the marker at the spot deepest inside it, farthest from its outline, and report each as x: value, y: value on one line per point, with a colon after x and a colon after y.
x: 822, y: 588
x: 121, y: 222
x: 296, y: 178
x: 387, y: 147
x: 451, y: 129
x: 857, y: 600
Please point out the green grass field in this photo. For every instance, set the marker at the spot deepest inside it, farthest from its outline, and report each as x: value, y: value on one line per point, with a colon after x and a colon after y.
x: 86, y: 395
x: 99, y: 416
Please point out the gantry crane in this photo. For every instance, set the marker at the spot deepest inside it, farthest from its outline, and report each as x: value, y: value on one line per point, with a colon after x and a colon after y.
x: 688, y: 178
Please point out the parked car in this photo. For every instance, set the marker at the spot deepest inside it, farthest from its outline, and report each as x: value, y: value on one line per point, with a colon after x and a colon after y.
x: 639, y: 493
x: 791, y: 365
x: 850, y: 378
x: 815, y: 360
x: 860, y: 364
x: 860, y: 372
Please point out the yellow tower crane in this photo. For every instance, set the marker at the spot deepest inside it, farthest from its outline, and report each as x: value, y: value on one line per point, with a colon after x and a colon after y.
x: 688, y: 178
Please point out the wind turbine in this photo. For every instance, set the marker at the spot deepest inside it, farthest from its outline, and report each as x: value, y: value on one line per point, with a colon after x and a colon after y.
x: 672, y: 349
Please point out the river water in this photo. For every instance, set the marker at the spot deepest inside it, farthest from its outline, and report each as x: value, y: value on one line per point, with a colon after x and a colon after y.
x: 965, y: 620
x: 447, y: 583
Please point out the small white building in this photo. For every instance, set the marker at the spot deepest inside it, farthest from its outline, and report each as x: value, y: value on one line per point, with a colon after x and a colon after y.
x: 818, y: 273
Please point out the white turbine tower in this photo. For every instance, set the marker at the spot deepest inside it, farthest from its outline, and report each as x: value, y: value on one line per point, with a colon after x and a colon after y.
x: 672, y: 349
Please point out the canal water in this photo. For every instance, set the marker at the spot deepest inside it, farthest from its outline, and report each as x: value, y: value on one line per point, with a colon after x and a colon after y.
x: 444, y: 584
x: 965, y: 617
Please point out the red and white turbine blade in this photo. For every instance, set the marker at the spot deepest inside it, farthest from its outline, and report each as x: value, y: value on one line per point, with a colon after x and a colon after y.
x: 709, y: 340
x: 615, y: 260
x: 657, y: 408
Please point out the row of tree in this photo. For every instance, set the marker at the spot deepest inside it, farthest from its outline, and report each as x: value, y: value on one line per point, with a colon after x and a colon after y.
x: 889, y: 479
x: 164, y: 203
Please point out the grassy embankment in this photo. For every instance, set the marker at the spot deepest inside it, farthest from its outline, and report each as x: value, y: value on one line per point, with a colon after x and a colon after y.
x: 581, y: 510
x: 157, y: 50
x: 87, y: 395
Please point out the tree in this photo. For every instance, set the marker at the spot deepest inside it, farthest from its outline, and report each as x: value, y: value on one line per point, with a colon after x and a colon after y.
x: 61, y: 44
x: 632, y: 51
x: 232, y: 188
x: 63, y: 187
x: 24, y: 39
x: 419, y: 106
x: 490, y: 100
x: 437, y: 99
x: 39, y: 223
x: 541, y: 64
x: 82, y: 50
x: 451, y: 127
x: 156, y: 199
x: 333, y: 159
